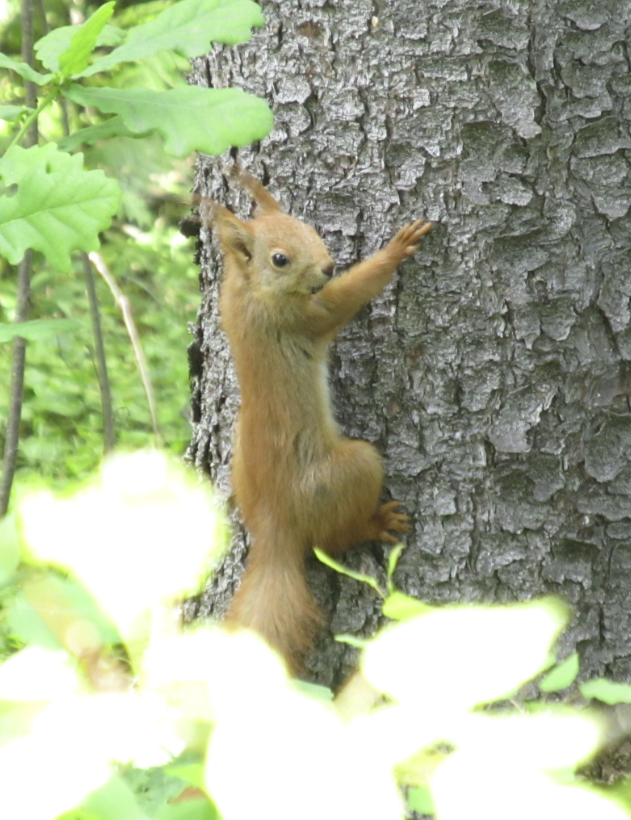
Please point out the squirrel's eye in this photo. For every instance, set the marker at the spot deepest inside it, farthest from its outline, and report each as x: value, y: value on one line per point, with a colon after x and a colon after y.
x: 280, y: 260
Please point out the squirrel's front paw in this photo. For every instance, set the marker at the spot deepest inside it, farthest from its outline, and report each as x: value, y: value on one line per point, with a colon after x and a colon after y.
x: 407, y: 241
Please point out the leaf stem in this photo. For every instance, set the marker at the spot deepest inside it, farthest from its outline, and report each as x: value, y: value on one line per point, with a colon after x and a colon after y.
x: 101, y: 361
x: 32, y: 117
x: 357, y: 576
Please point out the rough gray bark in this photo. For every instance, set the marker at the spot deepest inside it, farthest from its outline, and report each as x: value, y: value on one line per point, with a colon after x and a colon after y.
x: 494, y: 373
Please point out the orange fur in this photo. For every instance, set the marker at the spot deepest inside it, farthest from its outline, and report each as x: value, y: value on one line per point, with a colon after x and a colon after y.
x: 297, y: 481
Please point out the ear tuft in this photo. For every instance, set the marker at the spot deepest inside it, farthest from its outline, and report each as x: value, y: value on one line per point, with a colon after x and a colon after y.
x: 236, y: 236
x: 260, y: 194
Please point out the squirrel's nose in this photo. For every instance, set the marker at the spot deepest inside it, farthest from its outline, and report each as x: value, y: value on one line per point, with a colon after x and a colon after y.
x: 327, y: 270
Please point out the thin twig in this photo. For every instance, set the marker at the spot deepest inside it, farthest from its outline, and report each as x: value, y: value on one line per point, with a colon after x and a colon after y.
x: 101, y: 362
x: 123, y: 303
x: 16, y: 391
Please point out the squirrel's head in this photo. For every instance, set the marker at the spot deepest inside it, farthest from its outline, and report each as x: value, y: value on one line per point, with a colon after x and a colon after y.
x: 281, y: 254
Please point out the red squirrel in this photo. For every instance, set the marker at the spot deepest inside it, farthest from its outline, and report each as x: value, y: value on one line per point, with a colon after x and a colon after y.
x: 297, y: 481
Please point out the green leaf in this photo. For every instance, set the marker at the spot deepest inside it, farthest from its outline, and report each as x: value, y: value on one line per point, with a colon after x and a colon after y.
x: 26, y: 625
x: 36, y: 329
x: 77, y: 56
x: 142, y: 493
x: 189, y: 119
x: 393, y: 560
x: 16, y: 717
x: 11, y: 113
x: 420, y: 801
x: 621, y: 792
x: 113, y: 127
x: 56, y: 42
x: 66, y: 757
x: 58, y: 207
x: 113, y: 801
x: 402, y: 607
x: 24, y: 70
x: 357, y: 576
x: 313, y: 690
x: 562, y: 675
x: 286, y: 755
x: 477, y: 654
x: 191, y: 773
x: 47, y: 610
x: 351, y: 640
x: 523, y: 784
x: 606, y: 691
x: 9, y: 549
x: 154, y: 788
x: 187, y: 27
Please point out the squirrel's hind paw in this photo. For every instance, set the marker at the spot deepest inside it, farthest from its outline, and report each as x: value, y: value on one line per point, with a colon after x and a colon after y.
x: 386, y: 518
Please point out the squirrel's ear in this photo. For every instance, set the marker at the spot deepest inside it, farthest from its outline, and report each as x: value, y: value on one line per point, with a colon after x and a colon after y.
x: 260, y: 194
x: 236, y: 236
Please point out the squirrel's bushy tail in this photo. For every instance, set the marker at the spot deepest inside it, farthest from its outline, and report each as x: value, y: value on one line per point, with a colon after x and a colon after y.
x: 274, y: 600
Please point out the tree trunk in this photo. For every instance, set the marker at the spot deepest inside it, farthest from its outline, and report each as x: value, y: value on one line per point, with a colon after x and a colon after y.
x: 493, y: 374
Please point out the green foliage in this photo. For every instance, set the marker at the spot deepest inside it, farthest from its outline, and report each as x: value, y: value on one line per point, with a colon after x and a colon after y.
x: 142, y: 494
x: 24, y: 70
x: 11, y: 113
x: 401, y: 607
x: 420, y: 801
x: 525, y: 632
x: 112, y: 801
x: 113, y: 127
x: 117, y: 714
x: 53, y: 205
x: 77, y: 55
x: 188, y: 119
x: 44, y: 607
x: 53, y: 46
x: 187, y: 28
x: 396, y: 605
x: 606, y: 691
x: 562, y: 676
x: 61, y: 422
x: 109, y: 711
x: 393, y: 560
x: 36, y: 329
x: 58, y: 207
x: 50, y: 188
x: 10, y: 549
x: 356, y: 576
